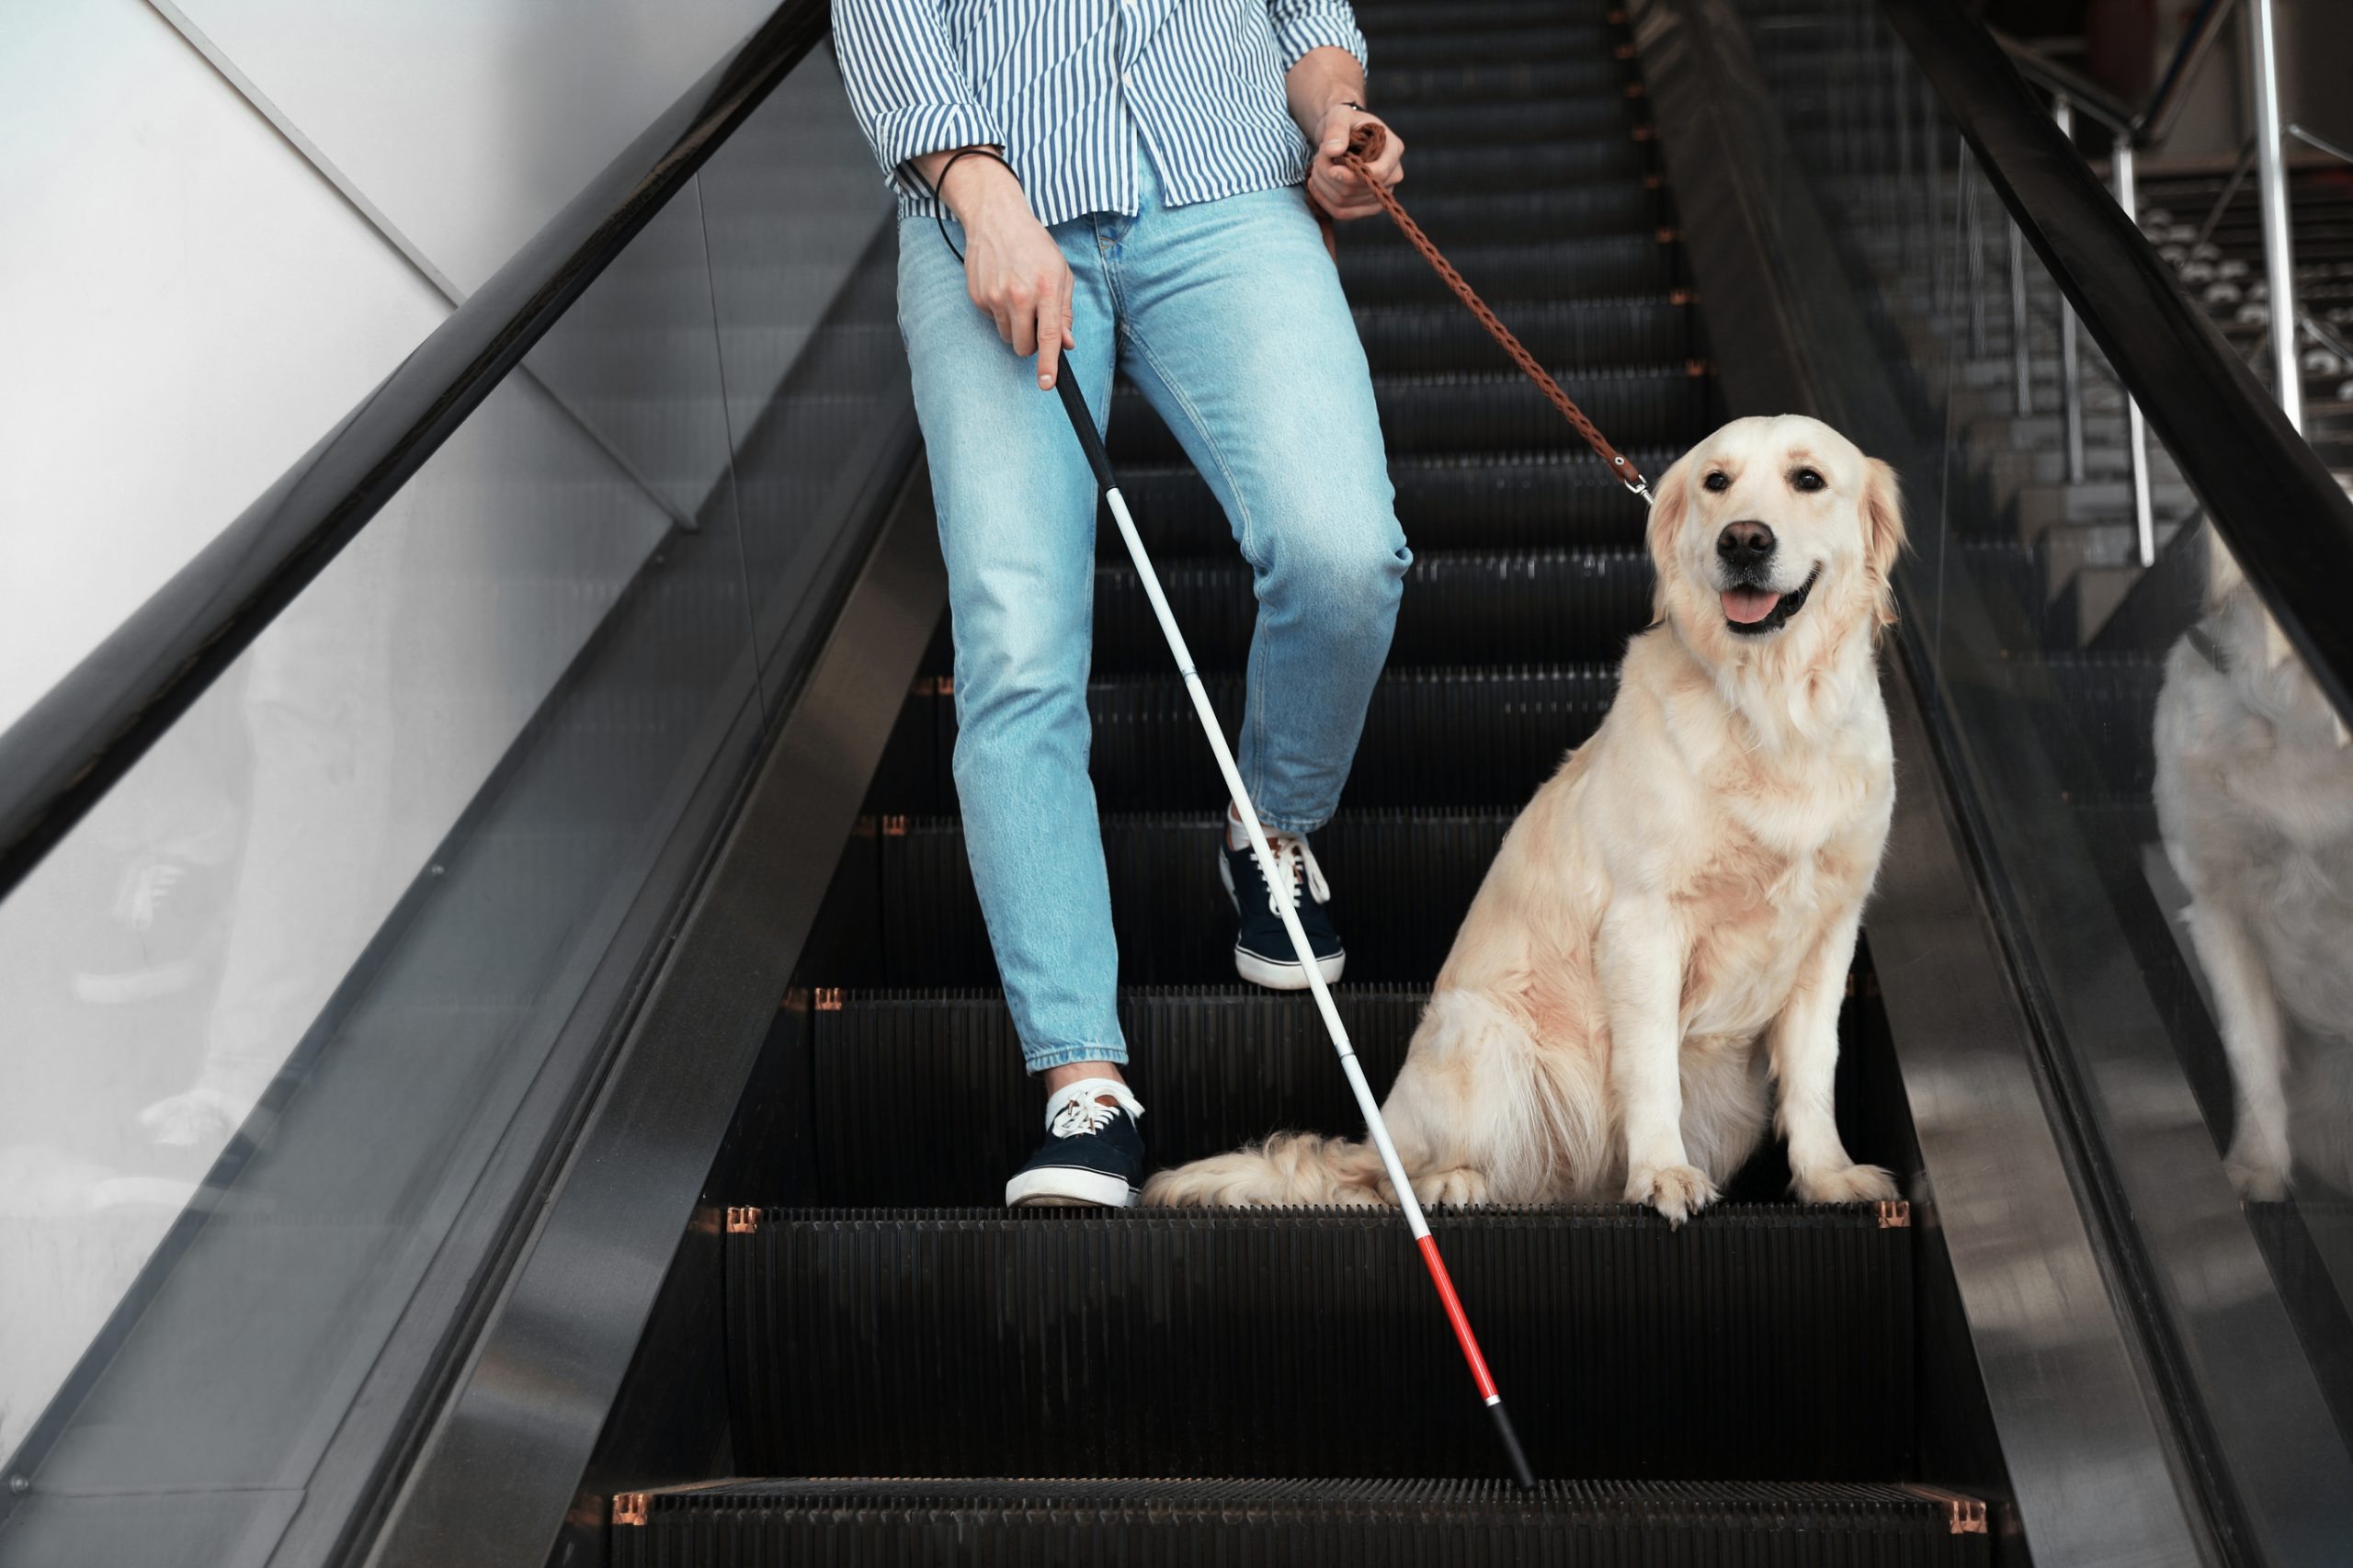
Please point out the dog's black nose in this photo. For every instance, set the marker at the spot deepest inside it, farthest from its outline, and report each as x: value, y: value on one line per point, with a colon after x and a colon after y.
x: 1744, y: 544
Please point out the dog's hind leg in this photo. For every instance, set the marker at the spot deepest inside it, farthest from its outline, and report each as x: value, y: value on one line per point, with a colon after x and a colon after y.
x: 1804, y: 1041
x: 1467, y: 1113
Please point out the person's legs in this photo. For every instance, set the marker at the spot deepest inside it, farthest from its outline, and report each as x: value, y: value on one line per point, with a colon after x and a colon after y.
x: 1015, y: 505
x: 1234, y: 325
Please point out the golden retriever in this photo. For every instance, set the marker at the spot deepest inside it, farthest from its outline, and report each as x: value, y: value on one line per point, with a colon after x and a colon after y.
x: 1668, y: 929
x: 2254, y: 803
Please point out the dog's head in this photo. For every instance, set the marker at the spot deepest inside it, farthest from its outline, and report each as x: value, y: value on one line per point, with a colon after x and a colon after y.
x: 1774, y: 532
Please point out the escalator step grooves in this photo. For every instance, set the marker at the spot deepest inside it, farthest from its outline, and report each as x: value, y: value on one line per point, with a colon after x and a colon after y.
x: 1583, y: 76
x: 1482, y: 736
x: 1525, y: 217
x: 1260, y: 1523
x: 1768, y: 1342
x: 1523, y: 500
x: 1530, y: 39
x: 1489, y: 120
x: 1166, y: 896
x: 1459, y: 607
x: 1214, y: 1068
x: 1481, y: 411
x: 1599, y: 265
x: 1439, y: 336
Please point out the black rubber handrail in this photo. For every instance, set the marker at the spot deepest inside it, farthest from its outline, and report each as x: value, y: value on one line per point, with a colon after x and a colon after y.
x: 2086, y: 95
x: 2286, y: 521
x: 63, y: 754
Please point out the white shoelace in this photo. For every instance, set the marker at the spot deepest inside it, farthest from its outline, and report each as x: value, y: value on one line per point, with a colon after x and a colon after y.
x: 1296, y: 863
x: 1079, y: 1109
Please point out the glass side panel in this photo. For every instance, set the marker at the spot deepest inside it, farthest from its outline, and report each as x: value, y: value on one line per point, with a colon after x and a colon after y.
x: 2161, y: 795
x: 803, y: 280
x: 281, y: 1011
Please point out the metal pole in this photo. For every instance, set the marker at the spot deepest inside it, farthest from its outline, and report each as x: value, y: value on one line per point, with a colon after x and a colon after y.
x: 2136, y: 430
x: 2271, y: 187
x: 2021, y: 361
x: 1964, y: 172
x: 2071, y: 378
x: 1091, y: 441
x: 1900, y: 187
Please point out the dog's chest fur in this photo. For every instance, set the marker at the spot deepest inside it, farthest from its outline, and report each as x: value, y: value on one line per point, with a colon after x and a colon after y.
x: 1795, y: 845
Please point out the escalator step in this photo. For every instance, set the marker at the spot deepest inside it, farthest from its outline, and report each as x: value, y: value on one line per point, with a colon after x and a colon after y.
x: 1465, y: 411
x: 1525, y: 217
x: 1590, y: 334
x: 1484, y: 736
x: 1605, y: 265
x: 1214, y: 1068
x: 1771, y: 1341
x: 1459, y: 607
x: 1548, y: 38
x: 1533, y: 163
x: 1528, y: 500
x: 1500, y: 120
x: 1599, y: 75
x: 1193, y: 1523
x: 1382, y: 20
x: 1417, y: 870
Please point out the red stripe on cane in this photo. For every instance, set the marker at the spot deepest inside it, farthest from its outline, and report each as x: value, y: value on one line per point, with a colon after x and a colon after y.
x: 1461, y: 1322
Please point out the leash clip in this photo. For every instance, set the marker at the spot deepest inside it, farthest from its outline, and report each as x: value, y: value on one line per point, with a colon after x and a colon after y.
x: 1641, y: 487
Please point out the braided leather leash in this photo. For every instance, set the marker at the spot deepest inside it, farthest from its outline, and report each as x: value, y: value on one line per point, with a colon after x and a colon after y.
x: 1365, y: 145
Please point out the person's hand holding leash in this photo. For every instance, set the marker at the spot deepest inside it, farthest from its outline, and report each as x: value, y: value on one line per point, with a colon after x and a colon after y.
x: 1013, y: 270
x: 1337, y: 189
x: 1325, y: 92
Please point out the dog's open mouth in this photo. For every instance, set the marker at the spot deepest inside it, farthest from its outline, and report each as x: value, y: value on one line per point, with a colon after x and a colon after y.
x: 1752, y: 612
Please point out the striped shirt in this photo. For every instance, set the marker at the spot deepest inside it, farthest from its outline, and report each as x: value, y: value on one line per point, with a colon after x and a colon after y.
x: 1069, y: 88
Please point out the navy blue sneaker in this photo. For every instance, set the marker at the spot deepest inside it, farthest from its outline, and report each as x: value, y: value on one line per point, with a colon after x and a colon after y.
x: 1263, y: 952
x: 1093, y: 1156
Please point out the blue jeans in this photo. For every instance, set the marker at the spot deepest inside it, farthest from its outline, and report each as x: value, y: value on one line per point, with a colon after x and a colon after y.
x: 1229, y: 316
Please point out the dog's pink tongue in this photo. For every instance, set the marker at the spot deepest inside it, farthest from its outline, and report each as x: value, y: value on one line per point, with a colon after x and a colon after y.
x: 1749, y: 606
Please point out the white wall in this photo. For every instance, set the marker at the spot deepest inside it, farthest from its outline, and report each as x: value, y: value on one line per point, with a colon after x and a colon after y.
x: 187, y: 301
x: 186, y: 307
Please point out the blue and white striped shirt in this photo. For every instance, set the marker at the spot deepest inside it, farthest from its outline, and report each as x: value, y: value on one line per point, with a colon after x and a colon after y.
x: 1067, y: 87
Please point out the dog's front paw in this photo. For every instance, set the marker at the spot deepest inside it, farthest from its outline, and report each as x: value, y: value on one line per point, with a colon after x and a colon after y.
x: 1845, y: 1184
x: 2255, y: 1180
x: 1458, y: 1187
x: 1677, y: 1191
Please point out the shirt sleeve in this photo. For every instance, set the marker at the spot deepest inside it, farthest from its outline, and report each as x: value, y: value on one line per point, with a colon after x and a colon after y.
x: 1303, y: 25
x: 904, y: 84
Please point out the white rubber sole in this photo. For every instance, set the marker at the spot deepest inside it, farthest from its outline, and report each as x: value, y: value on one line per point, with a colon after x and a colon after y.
x: 1286, y: 974
x: 1067, y: 1187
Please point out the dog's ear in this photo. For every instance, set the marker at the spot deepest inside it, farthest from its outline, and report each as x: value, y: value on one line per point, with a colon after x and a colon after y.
x: 1669, y: 500
x: 1882, y: 534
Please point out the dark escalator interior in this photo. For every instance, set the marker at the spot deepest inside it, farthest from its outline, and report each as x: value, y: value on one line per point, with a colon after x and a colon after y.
x: 1175, y: 1387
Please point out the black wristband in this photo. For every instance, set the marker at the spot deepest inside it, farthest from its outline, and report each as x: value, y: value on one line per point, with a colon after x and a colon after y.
x: 939, y: 201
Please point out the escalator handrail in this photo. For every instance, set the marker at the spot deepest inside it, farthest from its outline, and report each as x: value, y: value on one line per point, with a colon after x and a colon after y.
x: 70, y: 747
x: 2288, y: 522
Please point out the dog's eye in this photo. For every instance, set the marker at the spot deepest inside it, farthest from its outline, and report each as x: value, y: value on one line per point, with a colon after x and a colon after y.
x: 1806, y: 479
x: 1719, y: 480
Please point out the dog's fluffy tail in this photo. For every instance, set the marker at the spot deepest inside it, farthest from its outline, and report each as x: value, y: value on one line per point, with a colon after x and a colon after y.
x: 1290, y: 1168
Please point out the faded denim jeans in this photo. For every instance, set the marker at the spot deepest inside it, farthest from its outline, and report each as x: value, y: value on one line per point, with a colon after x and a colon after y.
x: 1228, y: 314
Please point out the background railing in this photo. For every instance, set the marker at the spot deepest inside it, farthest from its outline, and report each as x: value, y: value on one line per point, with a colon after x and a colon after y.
x: 2114, y: 632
